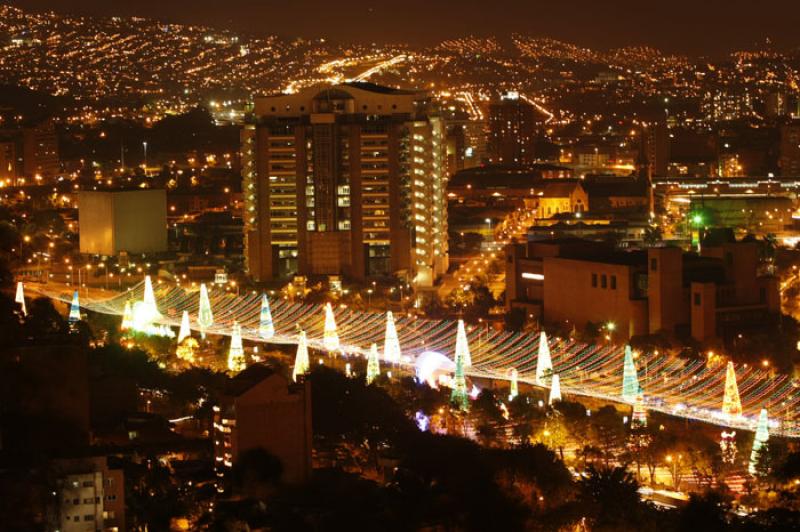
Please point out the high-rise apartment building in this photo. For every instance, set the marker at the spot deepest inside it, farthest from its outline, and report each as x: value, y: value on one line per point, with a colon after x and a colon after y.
x: 29, y: 152
x: 789, y: 150
x: 8, y: 161
x: 348, y: 179
x: 726, y: 104
x: 513, y: 124
x: 40, y: 150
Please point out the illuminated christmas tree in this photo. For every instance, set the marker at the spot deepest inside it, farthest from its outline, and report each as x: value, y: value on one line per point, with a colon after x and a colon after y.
x: 185, y: 331
x: 74, y: 309
x: 555, y: 390
x: 205, y: 318
x: 762, y: 436
x: 630, y: 380
x: 731, y: 404
x: 459, y: 395
x: 514, y: 386
x: 127, y: 316
x: 391, y: 343
x: 301, y: 362
x: 373, y: 365
x: 639, y: 417
x: 266, y: 329
x: 236, y: 360
x: 149, y: 307
x: 20, y: 298
x: 544, y: 364
x: 330, y: 338
x: 462, y: 345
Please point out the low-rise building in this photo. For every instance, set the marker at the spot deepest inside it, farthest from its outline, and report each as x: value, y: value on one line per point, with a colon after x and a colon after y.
x: 262, y: 409
x: 560, y: 197
x: 643, y: 291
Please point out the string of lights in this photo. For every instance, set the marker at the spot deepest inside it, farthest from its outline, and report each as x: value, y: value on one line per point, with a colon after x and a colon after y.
x: 690, y: 389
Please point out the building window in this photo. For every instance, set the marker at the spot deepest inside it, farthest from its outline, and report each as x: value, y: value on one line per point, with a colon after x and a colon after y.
x: 653, y: 265
x: 697, y: 299
x: 594, y: 280
x: 613, y: 282
x: 603, y: 281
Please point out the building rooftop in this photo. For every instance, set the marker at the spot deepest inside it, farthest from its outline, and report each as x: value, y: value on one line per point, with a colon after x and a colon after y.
x: 248, y: 378
x: 561, y: 189
x: 374, y: 87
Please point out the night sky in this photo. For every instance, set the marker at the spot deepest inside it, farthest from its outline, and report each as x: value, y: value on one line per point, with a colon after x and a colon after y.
x: 696, y: 27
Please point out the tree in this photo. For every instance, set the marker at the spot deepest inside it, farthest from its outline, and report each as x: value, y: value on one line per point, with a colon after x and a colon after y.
x: 514, y: 319
x: 611, y: 500
x: 607, y: 432
x: 652, y: 235
x: 705, y: 512
x: 487, y: 415
x: 256, y: 473
x: 554, y: 433
x: 638, y: 442
x: 44, y: 324
x: 538, y: 467
x: 347, y: 411
x: 524, y: 416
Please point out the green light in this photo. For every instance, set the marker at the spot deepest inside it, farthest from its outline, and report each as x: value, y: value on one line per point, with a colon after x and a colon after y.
x: 697, y: 219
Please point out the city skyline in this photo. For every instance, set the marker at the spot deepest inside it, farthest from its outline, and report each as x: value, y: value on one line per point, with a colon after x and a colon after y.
x: 707, y: 29
x: 478, y: 266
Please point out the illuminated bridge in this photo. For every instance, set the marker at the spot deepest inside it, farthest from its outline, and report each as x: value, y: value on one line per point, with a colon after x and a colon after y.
x: 690, y: 389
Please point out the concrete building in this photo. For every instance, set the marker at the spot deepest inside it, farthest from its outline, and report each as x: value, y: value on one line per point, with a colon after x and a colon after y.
x: 618, y: 194
x: 494, y: 185
x: 8, y: 161
x: 40, y: 151
x: 261, y: 409
x: 726, y: 104
x: 29, y: 151
x: 134, y: 221
x: 90, y: 496
x: 345, y: 180
x: 513, y: 126
x: 642, y: 292
x: 655, y: 149
x: 789, y: 150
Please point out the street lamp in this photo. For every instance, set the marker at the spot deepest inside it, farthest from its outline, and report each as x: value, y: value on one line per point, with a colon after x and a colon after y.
x: 144, y: 144
x: 103, y: 265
